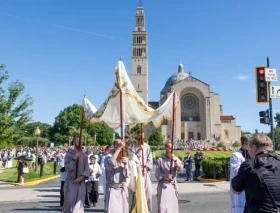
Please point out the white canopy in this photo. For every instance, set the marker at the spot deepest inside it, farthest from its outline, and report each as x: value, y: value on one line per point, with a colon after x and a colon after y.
x: 134, y: 109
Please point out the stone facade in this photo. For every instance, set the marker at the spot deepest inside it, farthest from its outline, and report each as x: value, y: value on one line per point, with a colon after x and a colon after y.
x: 199, y: 115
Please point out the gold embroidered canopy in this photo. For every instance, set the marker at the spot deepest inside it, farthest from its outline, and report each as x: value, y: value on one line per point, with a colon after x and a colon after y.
x: 134, y: 109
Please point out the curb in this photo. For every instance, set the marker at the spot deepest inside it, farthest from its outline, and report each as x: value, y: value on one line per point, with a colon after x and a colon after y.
x: 36, y: 182
x: 210, y: 180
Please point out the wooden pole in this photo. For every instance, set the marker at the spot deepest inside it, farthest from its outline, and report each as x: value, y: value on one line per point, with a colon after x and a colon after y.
x: 142, y: 143
x: 172, y: 134
x: 121, y: 119
x: 80, y: 140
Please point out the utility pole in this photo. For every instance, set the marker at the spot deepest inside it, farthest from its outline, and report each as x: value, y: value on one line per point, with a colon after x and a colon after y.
x: 270, y: 109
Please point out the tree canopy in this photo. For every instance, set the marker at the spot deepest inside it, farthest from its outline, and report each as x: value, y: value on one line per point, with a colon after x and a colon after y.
x: 15, y: 109
x: 67, y: 125
x: 277, y: 118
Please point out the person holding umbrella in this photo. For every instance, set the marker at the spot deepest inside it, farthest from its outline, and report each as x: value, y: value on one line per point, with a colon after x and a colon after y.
x: 21, y: 168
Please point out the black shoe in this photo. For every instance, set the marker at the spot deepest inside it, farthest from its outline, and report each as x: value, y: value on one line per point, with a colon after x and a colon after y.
x: 94, y: 204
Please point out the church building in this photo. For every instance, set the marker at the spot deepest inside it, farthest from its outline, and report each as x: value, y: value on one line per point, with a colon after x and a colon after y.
x: 199, y: 115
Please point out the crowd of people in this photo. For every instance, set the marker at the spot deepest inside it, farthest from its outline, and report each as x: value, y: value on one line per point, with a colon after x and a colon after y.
x: 254, y: 175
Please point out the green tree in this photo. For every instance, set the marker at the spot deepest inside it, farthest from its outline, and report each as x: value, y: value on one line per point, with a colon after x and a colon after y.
x: 103, y: 135
x: 68, y: 118
x: 67, y: 125
x: 134, y: 132
x: 14, y: 107
x: 277, y: 118
x: 276, y: 137
x: 246, y: 133
x: 156, y: 139
x: 32, y: 141
x: 236, y: 144
x: 29, y: 129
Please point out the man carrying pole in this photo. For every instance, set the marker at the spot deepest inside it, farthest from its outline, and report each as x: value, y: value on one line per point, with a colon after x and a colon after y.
x: 77, y: 168
x: 143, y: 152
x: 166, y: 174
x: 117, y: 171
x: 167, y: 185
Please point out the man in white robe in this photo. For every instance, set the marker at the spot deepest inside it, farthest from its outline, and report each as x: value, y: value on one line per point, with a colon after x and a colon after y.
x: 131, y: 181
x: 135, y: 185
x: 238, y: 201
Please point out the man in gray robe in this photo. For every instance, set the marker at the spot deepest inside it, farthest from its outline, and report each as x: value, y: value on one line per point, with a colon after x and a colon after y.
x: 75, y: 186
x: 146, y: 168
x: 167, y: 193
x: 117, y: 171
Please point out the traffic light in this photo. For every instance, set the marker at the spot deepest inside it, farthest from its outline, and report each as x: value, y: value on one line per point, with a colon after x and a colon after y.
x: 261, y: 86
x: 264, y: 117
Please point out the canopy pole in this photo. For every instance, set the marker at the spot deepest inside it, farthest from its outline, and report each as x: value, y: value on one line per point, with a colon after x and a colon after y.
x: 121, y: 119
x: 142, y: 143
x: 172, y: 134
x: 80, y: 140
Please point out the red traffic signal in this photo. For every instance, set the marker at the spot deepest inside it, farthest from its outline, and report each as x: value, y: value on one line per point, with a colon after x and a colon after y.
x: 262, y: 95
x: 261, y: 71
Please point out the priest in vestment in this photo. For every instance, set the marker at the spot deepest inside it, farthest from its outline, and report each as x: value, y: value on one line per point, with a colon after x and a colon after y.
x: 167, y: 193
x: 132, y: 180
x: 146, y: 168
x: 117, y: 172
x: 137, y: 196
x: 238, y: 201
x: 74, y: 187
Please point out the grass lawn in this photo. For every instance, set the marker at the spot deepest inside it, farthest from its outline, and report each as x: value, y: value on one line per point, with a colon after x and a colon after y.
x: 10, y: 175
x: 211, y: 154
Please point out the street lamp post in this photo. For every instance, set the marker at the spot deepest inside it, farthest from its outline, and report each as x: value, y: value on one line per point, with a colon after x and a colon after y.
x: 37, y: 134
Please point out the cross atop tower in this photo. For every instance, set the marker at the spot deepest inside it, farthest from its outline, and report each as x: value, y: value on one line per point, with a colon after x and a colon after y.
x: 140, y: 3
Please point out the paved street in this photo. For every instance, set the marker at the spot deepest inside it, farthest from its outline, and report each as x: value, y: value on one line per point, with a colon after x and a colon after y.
x: 194, y: 197
x: 194, y: 203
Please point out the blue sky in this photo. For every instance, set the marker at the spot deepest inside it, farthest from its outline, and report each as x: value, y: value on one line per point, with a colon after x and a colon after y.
x: 60, y: 49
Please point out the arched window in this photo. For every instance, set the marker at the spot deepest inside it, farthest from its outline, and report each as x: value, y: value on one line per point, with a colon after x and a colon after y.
x: 226, y: 134
x: 138, y: 69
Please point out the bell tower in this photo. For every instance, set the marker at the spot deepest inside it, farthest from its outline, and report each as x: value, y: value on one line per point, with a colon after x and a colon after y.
x: 139, y: 55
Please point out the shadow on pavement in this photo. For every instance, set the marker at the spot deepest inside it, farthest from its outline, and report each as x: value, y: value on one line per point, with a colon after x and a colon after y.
x: 47, y: 190
x: 53, y: 209
x: 49, y: 201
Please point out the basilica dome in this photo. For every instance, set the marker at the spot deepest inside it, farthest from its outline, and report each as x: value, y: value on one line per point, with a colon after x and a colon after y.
x: 177, y: 77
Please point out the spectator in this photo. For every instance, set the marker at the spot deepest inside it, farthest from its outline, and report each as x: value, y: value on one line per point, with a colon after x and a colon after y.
x: 197, y: 159
x: 188, y: 167
x: 259, y: 177
x: 21, y: 168
x: 63, y: 177
x: 92, y: 183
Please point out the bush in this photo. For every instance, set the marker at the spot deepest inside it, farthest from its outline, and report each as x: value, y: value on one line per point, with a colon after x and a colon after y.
x: 154, y: 148
x: 181, y: 158
x: 208, y: 167
x: 236, y: 144
x: 221, y: 144
x: 156, y: 139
